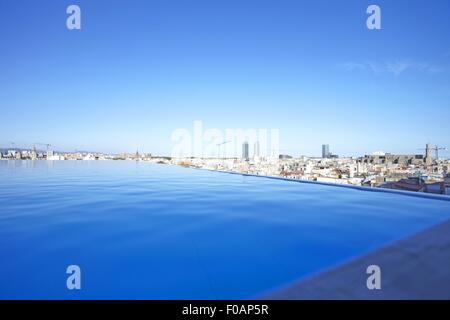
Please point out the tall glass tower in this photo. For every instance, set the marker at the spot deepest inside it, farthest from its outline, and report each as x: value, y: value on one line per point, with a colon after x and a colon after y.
x: 245, y: 152
x: 325, y: 151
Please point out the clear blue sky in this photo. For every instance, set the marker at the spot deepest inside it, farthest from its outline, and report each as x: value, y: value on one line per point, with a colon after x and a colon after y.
x: 137, y: 70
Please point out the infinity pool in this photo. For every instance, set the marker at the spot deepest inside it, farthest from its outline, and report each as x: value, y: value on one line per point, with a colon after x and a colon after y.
x: 144, y: 231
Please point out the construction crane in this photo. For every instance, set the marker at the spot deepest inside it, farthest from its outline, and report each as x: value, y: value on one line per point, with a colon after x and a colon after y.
x: 219, y: 145
x: 436, y: 150
x: 43, y: 144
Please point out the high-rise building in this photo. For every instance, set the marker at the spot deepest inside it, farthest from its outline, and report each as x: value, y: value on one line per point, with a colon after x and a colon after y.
x: 245, y: 151
x: 429, y: 154
x: 325, y: 151
x: 256, y: 150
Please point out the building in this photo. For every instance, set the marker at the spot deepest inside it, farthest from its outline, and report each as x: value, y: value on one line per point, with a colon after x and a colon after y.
x: 34, y: 154
x: 54, y: 157
x: 429, y: 154
x: 245, y: 153
x: 417, y: 184
x: 137, y: 156
x: 326, y: 154
x: 256, y: 150
x: 388, y: 158
x: 401, y: 159
x: 447, y: 183
x: 325, y: 151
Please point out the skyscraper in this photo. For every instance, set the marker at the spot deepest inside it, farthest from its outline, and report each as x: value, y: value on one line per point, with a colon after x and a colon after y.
x: 256, y: 150
x: 325, y: 151
x: 245, y: 150
x: 429, y: 154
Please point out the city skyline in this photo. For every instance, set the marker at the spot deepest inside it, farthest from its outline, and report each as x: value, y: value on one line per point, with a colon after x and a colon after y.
x: 432, y: 152
x: 313, y: 71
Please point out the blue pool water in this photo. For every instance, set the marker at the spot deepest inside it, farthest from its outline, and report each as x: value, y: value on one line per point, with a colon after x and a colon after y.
x: 147, y: 231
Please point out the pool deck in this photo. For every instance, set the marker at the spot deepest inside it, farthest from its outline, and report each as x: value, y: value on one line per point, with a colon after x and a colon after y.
x: 417, y: 267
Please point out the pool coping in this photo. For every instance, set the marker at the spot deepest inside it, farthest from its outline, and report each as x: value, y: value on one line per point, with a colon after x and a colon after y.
x: 414, y: 267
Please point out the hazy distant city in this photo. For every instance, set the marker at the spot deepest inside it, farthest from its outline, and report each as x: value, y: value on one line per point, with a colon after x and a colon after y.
x: 421, y: 172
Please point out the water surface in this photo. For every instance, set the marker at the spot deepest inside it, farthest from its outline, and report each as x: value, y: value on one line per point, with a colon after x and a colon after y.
x: 145, y: 231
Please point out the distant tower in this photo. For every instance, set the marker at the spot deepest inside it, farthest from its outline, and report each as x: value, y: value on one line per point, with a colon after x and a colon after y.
x: 325, y: 151
x: 34, y: 153
x: 256, y: 151
x: 245, y: 151
x: 429, y: 154
x: 137, y: 155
